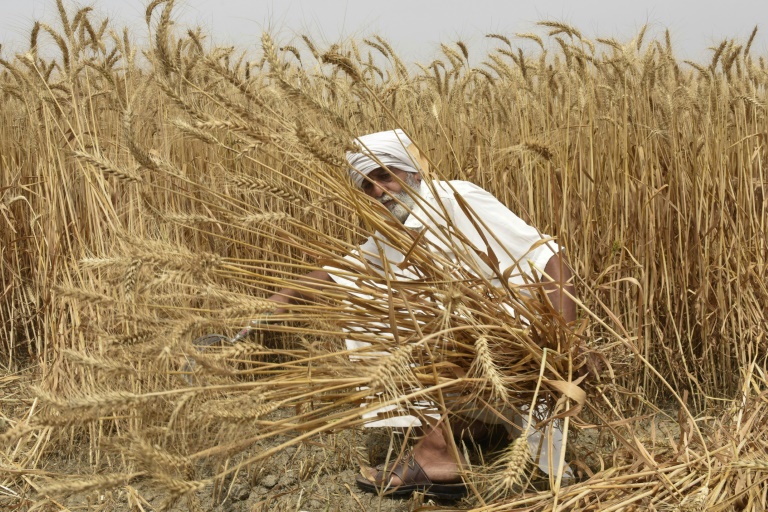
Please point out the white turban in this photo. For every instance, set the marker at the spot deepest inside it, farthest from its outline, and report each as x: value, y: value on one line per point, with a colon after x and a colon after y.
x: 388, y: 149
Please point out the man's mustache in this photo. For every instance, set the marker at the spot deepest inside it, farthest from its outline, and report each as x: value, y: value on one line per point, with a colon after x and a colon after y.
x: 386, y: 197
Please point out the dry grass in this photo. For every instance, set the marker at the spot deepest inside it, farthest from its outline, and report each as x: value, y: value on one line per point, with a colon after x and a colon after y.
x: 143, y: 204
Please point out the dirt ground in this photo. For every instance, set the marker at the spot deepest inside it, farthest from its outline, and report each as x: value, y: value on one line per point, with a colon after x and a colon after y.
x: 317, y: 476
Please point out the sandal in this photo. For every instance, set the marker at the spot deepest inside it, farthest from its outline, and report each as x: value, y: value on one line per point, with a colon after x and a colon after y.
x: 413, y: 479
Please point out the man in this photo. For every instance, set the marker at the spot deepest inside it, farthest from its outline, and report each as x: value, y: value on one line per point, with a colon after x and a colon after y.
x: 388, y: 169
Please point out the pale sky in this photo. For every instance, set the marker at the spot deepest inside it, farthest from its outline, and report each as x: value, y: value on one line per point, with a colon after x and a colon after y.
x: 416, y: 27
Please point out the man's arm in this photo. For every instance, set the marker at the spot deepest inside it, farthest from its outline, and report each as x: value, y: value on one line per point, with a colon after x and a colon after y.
x: 560, y: 280
x: 301, y: 290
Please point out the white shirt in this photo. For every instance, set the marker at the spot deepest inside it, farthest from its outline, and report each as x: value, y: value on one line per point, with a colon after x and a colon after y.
x: 490, y: 232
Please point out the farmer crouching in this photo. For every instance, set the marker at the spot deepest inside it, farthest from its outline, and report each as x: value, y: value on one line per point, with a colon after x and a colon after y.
x: 388, y: 169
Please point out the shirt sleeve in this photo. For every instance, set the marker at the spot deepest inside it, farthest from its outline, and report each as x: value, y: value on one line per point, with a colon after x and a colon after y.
x: 513, y: 241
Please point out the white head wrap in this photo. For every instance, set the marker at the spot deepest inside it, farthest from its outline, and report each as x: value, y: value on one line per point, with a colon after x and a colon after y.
x: 386, y: 149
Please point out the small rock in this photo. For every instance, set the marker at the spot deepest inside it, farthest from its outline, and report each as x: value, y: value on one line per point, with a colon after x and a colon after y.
x: 241, y: 493
x: 269, y: 481
x: 287, y: 480
x: 315, y: 505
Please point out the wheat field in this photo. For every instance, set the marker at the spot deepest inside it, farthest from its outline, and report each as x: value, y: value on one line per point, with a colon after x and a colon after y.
x: 149, y: 195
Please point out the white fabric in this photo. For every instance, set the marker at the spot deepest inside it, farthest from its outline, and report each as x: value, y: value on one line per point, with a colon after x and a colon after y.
x: 386, y: 149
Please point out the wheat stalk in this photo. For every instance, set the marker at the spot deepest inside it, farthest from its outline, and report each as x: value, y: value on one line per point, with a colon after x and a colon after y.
x: 100, y: 482
x: 509, y: 471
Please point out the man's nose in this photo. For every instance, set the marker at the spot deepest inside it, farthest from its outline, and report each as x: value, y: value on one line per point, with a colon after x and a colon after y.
x: 377, y: 190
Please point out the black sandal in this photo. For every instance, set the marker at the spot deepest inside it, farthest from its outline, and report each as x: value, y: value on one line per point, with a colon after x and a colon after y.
x: 413, y: 479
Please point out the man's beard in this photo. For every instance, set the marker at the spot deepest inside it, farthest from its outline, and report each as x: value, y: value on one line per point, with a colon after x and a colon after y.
x: 402, y: 202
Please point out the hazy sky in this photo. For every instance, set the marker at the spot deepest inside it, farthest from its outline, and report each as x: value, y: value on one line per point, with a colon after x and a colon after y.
x: 416, y: 27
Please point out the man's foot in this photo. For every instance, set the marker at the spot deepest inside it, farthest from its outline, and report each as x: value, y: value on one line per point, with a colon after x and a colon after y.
x: 403, y: 477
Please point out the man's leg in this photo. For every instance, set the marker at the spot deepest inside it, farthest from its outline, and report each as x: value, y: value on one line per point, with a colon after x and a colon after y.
x: 435, y: 453
x: 546, y: 444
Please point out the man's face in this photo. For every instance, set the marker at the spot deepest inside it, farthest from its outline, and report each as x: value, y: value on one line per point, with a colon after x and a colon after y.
x: 381, y: 185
